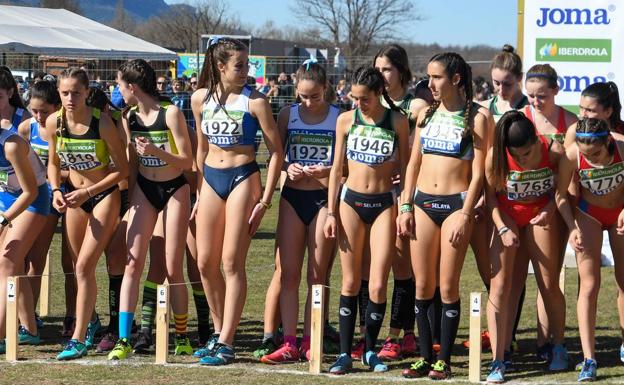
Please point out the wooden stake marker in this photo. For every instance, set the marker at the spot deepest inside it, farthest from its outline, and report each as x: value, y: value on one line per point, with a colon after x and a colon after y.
x: 316, y: 328
x: 44, y: 292
x: 474, y: 357
x: 562, y: 279
x: 162, y: 324
x: 12, y: 321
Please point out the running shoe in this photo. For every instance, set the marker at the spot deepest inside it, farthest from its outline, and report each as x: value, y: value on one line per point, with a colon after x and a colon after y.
x: 304, y: 351
x: 373, y: 362
x: 588, y: 371
x: 440, y: 371
x: 267, y: 346
x: 25, y: 338
x: 284, y: 354
x: 92, y: 329
x: 544, y: 352
x: 39, y: 321
x: 418, y: 369
x: 74, y: 349
x: 121, y: 351
x: 143, y: 343
x: 107, y: 343
x: 343, y: 365
x: 390, y: 350
x: 223, y: 355
x: 409, y: 347
x: 2, y: 347
x: 208, y: 347
x: 559, y: 358
x: 69, y: 323
x: 497, y: 373
x: 357, y: 351
x: 485, y: 341
x: 622, y: 352
x: 182, y: 346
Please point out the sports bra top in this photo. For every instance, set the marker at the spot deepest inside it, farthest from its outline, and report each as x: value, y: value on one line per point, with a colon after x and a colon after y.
x: 496, y: 114
x: 522, y: 184
x: 371, y: 144
x: 232, y: 124
x: 601, y: 180
x: 559, y: 136
x: 157, y: 133
x: 445, y: 135
x: 8, y: 178
x: 311, y: 144
x: 81, y: 152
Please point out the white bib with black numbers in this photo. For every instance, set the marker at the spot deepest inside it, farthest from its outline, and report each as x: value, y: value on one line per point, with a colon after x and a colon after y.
x: 370, y: 144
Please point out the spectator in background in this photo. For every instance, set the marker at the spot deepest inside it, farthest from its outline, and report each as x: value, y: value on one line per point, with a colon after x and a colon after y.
x: 193, y: 83
x: 182, y: 100
x: 286, y: 89
x: 481, y: 89
x: 162, y: 84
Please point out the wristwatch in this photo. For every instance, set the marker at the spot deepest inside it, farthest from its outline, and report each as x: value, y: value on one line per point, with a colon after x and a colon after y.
x: 4, y: 221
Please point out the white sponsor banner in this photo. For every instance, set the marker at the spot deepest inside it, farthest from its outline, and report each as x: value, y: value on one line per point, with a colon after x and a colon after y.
x: 583, y: 40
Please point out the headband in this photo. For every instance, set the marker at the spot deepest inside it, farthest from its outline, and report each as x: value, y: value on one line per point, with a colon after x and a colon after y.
x: 311, y: 60
x: 592, y: 134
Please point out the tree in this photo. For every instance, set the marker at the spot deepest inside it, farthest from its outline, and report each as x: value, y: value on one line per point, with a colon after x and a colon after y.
x: 355, y: 24
x: 182, y: 26
x: 121, y: 20
x: 70, y: 5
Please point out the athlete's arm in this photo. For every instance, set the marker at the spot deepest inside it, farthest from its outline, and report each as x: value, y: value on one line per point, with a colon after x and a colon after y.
x: 176, y: 122
x: 570, y: 136
x: 401, y: 127
x: 54, y: 164
x: 343, y: 122
x: 413, y: 165
x: 567, y: 167
x: 24, y: 130
x: 109, y: 134
x: 16, y: 151
x: 133, y: 160
x: 197, y: 100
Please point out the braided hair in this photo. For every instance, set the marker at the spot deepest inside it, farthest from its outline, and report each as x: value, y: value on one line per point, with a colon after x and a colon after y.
x: 372, y: 79
x: 141, y: 74
x: 607, y: 95
x: 595, y: 131
x: 218, y: 52
x: 454, y: 64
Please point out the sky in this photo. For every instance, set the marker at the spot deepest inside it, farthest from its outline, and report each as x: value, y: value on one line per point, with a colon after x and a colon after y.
x: 447, y: 22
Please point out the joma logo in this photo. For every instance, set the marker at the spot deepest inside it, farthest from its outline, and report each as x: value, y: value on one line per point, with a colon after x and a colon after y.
x: 571, y: 16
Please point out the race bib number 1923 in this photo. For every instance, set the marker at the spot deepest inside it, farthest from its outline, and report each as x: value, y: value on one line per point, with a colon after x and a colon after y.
x: 310, y: 147
x: 370, y: 144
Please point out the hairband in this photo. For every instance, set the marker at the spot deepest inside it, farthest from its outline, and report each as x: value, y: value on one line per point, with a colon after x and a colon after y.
x: 592, y: 134
x: 311, y: 60
x: 214, y: 40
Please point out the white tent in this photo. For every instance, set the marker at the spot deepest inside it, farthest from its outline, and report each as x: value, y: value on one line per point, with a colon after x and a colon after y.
x: 59, y: 32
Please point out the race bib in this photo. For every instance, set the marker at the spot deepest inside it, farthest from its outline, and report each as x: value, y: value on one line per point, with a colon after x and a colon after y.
x: 159, y: 139
x: 223, y: 129
x: 41, y: 151
x: 529, y: 184
x: 370, y: 144
x: 443, y: 135
x: 79, y: 156
x: 310, y: 147
x: 601, y: 181
x: 8, y: 181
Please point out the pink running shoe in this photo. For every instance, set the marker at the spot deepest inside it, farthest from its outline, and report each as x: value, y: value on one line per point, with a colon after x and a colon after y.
x: 390, y: 350
x: 409, y: 346
x: 304, y: 350
x: 284, y: 354
x: 358, y: 349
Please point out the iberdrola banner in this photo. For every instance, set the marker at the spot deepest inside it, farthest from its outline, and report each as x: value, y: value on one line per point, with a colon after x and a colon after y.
x: 582, y: 39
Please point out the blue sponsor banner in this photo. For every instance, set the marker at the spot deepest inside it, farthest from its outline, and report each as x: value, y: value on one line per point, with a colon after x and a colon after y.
x: 189, y: 63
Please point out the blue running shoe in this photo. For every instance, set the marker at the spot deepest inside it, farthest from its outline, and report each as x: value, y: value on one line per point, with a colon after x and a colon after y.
x: 2, y: 347
x: 588, y: 371
x: 74, y: 349
x: 92, y: 329
x: 559, y: 360
x: 373, y: 362
x: 25, y: 338
x: 622, y: 352
x: 497, y: 373
x: 343, y: 364
x: 208, y: 348
x: 222, y: 355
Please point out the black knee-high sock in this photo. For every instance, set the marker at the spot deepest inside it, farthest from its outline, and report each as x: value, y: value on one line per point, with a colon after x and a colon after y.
x: 407, y: 308
x: 450, y: 324
x: 374, y: 319
x: 518, y: 313
x: 399, y: 298
x: 435, y: 316
x: 421, y: 308
x: 346, y: 320
x: 114, y: 290
x: 203, y: 315
x: 363, y: 301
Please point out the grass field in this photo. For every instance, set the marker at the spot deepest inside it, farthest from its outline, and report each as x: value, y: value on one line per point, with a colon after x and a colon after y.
x: 37, y: 364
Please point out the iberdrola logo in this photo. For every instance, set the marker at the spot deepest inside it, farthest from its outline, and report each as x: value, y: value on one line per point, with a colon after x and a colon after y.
x: 548, y: 50
x: 514, y: 176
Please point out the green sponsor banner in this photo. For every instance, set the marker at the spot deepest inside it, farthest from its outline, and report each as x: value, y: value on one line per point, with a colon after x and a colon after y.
x: 573, y: 50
